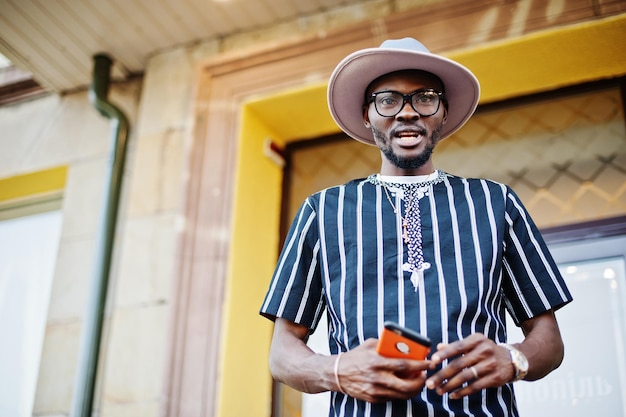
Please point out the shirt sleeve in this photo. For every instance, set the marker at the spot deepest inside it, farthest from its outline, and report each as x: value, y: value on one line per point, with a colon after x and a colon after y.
x: 532, y: 282
x: 296, y: 292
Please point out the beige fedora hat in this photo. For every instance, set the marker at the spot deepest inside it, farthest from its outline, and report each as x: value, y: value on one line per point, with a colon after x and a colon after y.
x: 347, y: 84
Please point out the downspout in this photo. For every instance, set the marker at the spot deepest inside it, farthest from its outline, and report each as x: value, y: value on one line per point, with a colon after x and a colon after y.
x: 85, y: 383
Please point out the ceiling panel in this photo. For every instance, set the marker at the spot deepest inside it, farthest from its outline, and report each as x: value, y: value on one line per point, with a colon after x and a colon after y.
x: 56, y: 40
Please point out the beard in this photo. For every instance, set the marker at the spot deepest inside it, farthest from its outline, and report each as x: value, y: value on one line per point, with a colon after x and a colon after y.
x: 407, y: 162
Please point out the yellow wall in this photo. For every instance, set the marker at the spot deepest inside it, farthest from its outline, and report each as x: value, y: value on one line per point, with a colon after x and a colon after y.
x: 35, y: 183
x: 549, y: 59
x: 245, y: 383
x: 526, y: 65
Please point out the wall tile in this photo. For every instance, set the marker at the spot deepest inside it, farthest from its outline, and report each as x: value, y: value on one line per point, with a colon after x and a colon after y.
x: 157, y: 173
x: 146, y: 264
x: 72, y: 279
x: 83, y: 198
x: 149, y: 408
x: 166, y: 98
x: 18, y: 139
x: 57, y: 368
x: 134, y: 366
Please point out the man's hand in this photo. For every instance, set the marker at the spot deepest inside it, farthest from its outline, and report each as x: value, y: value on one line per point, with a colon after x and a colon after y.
x: 366, y: 375
x: 362, y: 372
x: 474, y: 363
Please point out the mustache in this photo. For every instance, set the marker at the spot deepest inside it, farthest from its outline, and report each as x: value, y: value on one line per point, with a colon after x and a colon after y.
x: 418, y: 130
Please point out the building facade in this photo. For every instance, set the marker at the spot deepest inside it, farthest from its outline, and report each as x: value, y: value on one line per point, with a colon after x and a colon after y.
x: 203, y: 200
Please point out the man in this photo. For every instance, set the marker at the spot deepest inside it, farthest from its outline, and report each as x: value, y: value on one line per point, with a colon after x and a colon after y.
x: 442, y: 255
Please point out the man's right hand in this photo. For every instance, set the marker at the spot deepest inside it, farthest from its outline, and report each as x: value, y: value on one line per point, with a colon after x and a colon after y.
x: 368, y: 376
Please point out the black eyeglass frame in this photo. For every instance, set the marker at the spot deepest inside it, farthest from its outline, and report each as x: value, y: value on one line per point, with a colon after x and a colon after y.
x: 407, y: 98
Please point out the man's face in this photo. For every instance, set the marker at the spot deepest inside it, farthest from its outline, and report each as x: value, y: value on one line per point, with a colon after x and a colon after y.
x: 406, y: 140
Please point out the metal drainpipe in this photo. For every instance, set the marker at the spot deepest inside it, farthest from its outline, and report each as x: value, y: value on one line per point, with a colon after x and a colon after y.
x: 84, y: 386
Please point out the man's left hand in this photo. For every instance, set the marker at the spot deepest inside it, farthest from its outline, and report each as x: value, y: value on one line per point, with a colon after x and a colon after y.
x: 475, y: 363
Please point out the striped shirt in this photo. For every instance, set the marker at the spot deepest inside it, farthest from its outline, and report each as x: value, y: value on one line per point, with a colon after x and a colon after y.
x: 343, y: 257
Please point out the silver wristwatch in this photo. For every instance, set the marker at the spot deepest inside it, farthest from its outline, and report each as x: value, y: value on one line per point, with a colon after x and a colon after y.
x: 519, y: 361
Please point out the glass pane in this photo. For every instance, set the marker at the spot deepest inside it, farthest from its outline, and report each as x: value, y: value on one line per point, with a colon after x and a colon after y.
x: 28, y: 252
x: 592, y: 378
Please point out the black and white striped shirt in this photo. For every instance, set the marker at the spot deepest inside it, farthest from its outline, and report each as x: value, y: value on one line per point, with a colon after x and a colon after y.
x: 344, y: 254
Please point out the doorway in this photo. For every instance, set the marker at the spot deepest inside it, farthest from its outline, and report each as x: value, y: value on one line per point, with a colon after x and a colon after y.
x: 567, y: 165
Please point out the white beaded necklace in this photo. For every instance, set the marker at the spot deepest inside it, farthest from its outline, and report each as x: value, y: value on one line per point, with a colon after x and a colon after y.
x: 413, y: 192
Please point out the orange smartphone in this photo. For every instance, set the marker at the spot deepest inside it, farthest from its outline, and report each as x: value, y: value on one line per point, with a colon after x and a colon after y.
x: 399, y: 342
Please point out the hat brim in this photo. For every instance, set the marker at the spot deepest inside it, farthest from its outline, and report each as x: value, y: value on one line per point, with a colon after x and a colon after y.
x: 347, y: 84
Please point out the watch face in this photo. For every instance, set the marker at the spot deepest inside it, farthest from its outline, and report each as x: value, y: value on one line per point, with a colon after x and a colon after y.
x: 520, y: 362
x: 523, y: 362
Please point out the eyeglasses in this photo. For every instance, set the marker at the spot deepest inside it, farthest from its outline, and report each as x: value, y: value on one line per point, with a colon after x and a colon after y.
x: 425, y: 102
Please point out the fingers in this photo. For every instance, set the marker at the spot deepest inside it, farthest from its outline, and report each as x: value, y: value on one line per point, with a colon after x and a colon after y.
x: 466, y: 367
x: 472, y: 364
x: 456, y: 380
x: 383, y: 385
x: 458, y: 348
x: 471, y: 376
x: 366, y: 375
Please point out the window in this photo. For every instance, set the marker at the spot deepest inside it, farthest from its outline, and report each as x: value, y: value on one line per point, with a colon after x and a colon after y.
x: 592, y: 378
x: 30, y: 230
x: 28, y: 252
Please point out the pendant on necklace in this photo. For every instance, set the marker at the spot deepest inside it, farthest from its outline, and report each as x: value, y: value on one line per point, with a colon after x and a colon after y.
x: 417, y: 277
x: 417, y: 273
